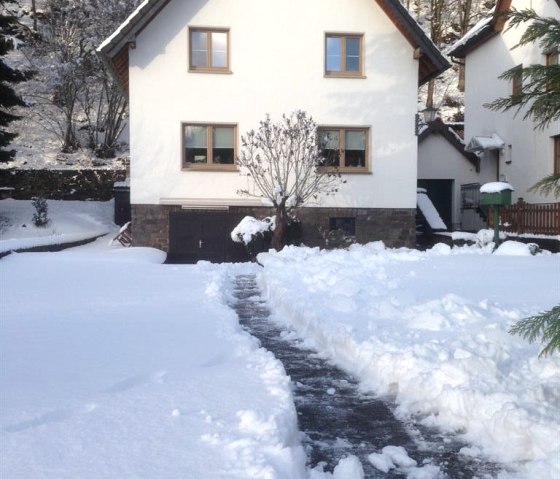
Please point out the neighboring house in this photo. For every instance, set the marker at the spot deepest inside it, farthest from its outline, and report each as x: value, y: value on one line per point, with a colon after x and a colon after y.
x: 200, y: 74
x: 446, y: 171
x: 510, y: 148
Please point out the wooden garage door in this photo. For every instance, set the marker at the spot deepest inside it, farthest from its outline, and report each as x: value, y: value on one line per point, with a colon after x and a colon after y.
x: 195, y: 236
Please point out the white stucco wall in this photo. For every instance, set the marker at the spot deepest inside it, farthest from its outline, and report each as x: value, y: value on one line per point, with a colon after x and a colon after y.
x: 277, y: 55
x: 528, y: 154
x: 438, y: 160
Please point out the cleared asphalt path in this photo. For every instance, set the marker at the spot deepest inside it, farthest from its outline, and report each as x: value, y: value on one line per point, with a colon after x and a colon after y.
x: 335, y: 418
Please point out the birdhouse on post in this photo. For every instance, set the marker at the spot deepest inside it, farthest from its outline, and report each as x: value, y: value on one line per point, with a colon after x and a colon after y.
x: 496, y: 194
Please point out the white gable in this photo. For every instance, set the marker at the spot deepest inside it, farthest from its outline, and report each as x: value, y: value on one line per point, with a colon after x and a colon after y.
x: 277, y: 66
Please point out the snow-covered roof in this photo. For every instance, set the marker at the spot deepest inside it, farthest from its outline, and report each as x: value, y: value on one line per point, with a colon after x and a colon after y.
x: 476, y: 31
x: 482, y: 31
x: 124, y: 26
x: 478, y: 144
x: 495, y: 187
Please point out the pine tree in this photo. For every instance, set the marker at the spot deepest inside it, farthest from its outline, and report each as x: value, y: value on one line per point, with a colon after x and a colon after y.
x: 540, y: 90
x: 9, y: 32
x: 544, y: 325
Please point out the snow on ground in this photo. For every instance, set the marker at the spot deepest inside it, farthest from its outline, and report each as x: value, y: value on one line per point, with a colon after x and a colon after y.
x: 430, y: 328
x: 116, y: 365
x: 69, y: 221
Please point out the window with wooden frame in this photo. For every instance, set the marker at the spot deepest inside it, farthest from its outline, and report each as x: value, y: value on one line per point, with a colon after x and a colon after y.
x: 209, y: 146
x: 344, y: 55
x: 209, y: 50
x: 551, y: 59
x: 556, y: 153
x: 517, y: 84
x: 345, y: 148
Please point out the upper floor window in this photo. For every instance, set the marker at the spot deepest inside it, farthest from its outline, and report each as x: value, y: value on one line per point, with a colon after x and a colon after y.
x: 551, y: 58
x: 517, y: 84
x: 209, y: 50
x: 209, y: 146
x: 343, y: 55
x: 345, y: 148
x: 556, y: 150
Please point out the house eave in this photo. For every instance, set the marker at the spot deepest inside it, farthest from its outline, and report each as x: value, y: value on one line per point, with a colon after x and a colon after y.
x: 494, y: 27
x: 431, y: 61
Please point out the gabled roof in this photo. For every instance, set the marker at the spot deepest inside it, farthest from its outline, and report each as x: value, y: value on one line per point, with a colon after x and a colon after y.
x: 114, y: 49
x: 482, y: 31
x: 440, y: 128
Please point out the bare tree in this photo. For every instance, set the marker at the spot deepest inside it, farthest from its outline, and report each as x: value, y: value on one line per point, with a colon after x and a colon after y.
x: 284, y: 164
x: 77, y: 85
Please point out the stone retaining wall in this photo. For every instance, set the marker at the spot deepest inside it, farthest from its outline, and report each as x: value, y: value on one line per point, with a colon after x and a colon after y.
x: 394, y: 226
x: 84, y: 184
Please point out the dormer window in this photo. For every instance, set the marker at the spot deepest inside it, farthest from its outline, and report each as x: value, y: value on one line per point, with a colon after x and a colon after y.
x: 209, y: 50
x: 343, y: 55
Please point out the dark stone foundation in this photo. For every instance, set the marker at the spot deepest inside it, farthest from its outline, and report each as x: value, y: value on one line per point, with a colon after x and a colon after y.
x: 394, y: 226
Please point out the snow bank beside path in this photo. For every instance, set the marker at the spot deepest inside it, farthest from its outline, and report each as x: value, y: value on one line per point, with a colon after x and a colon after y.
x: 114, y: 365
x: 431, y: 329
x: 70, y: 221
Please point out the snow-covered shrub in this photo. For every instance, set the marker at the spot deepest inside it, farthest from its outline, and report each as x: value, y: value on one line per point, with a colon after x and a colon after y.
x: 255, y: 234
x: 336, y: 238
x: 485, y: 237
x: 41, y: 215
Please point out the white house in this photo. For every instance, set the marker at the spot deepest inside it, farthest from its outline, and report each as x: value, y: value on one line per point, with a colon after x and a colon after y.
x: 449, y: 174
x: 510, y: 148
x: 200, y: 73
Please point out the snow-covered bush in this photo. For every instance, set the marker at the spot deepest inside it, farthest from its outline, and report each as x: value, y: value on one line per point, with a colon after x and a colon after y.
x: 336, y: 238
x: 41, y: 215
x: 255, y: 234
x: 485, y: 237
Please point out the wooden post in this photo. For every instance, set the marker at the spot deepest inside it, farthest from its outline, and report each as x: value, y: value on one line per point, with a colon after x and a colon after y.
x: 520, y: 207
x: 496, y: 210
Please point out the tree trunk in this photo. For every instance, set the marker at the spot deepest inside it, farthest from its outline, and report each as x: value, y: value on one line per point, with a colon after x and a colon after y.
x: 34, y: 10
x: 279, y: 233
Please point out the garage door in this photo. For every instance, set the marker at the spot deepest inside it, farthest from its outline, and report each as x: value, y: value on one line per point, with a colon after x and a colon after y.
x: 195, y: 236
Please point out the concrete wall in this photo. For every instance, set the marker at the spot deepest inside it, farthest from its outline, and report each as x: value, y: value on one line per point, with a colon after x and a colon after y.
x: 528, y: 154
x: 277, y: 63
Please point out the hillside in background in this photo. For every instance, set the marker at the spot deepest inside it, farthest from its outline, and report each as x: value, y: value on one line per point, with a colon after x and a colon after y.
x: 76, y: 116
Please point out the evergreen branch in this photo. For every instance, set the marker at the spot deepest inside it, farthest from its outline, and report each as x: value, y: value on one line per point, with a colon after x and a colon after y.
x: 549, y: 184
x: 545, y: 326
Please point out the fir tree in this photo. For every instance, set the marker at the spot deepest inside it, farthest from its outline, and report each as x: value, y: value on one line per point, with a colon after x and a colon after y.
x: 540, y: 90
x: 9, y: 32
x: 41, y: 215
x: 544, y: 325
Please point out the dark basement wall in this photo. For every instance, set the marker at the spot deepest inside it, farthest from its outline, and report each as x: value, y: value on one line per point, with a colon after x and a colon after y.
x: 84, y: 184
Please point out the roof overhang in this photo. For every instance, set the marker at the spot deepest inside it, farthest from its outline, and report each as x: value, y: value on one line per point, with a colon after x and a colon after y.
x: 483, y: 31
x: 114, y: 50
x: 479, y: 144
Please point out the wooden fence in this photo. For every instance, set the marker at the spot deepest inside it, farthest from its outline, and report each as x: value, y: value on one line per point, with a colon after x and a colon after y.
x: 521, y: 217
